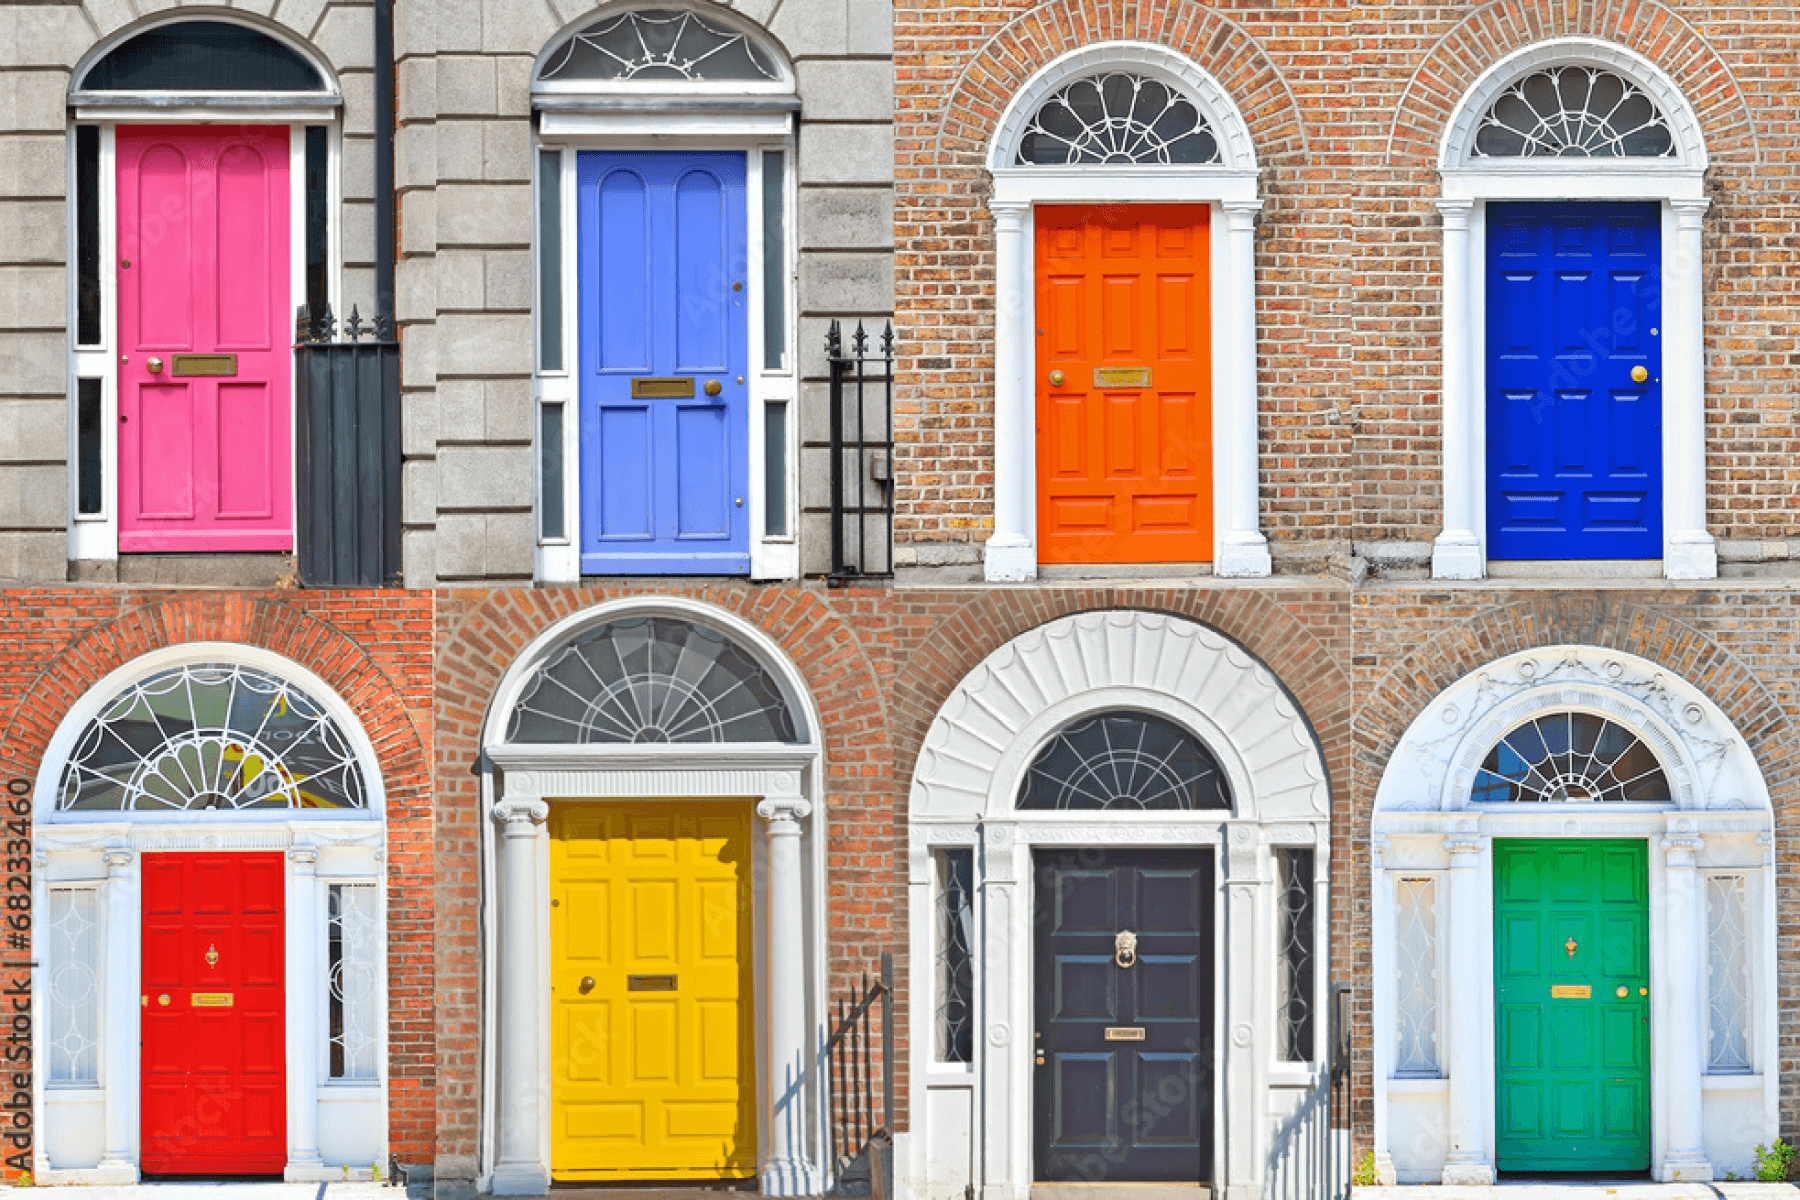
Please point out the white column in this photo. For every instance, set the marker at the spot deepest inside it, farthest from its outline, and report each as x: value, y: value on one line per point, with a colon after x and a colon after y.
x: 1678, y: 988
x: 1384, y: 1003
x: 1237, y: 465
x: 305, y: 942
x: 1689, y: 551
x: 1006, y: 1059
x: 789, y: 1168
x: 1011, y: 554
x: 1457, y: 552
x: 520, y: 1169
x: 1471, y: 1096
x: 1249, y: 1017
x: 119, y: 1017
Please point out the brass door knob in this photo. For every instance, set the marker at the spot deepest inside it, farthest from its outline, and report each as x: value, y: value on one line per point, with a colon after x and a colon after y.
x: 587, y: 984
x: 1638, y: 374
x: 1056, y: 379
x: 1643, y: 991
x: 714, y: 387
x: 163, y: 999
x: 155, y: 365
x: 1622, y: 992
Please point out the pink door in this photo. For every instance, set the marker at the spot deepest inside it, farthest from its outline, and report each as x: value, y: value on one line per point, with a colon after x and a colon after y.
x: 205, y: 424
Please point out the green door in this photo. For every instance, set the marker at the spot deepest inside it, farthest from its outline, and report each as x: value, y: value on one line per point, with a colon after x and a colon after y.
x: 1571, y: 1006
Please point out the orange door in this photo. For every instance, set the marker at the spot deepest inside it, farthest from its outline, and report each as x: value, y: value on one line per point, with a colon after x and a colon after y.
x: 1125, y: 439
x: 214, y: 1036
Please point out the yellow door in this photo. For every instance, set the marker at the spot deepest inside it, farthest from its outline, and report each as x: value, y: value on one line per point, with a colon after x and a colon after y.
x: 653, y: 1075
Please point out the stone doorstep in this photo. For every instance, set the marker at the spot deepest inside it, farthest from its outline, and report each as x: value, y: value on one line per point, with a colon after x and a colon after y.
x: 224, y: 1190
x: 1114, y: 1191
x: 1579, y: 1190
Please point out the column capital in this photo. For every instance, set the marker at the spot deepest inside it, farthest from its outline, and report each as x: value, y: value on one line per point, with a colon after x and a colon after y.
x: 777, y: 810
x: 1242, y: 213
x: 1463, y: 848
x: 1378, y: 848
x: 117, y: 859
x: 1689, y: 212
x: 304, y: 857
x: 1011, y: 212
x: 1455, y: 213
x: 517, y: 817
x: 1682, y: 848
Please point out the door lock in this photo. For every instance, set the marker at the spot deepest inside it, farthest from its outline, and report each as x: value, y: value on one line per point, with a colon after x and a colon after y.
x: 155, y: 365
x: 1056, y: 378
x: 587, y: 984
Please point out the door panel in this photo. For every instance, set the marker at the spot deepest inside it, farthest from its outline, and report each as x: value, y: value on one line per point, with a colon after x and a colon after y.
x: 205, y: 461
x: 656, y: 1080
x: 1574, y: 443
x: 1573, y: 1071
x: 214, y: 1024
x: 664, y: 477
x: 1111, y: 1110
x: 1125, y: 469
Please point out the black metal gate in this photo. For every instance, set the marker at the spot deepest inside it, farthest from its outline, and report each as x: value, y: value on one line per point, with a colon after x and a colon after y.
x: 862, y: 455
x: 859, y: 1090
x: 1309, y: 1158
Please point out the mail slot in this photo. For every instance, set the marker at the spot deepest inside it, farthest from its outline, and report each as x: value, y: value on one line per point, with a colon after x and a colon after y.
x: 662, y: 387
x: 650, y: 983
x: 1571, y: 991
x: 1121, y: 377
x: 1124, y: 1033
x: 203, y: 364
x: 212, y: 999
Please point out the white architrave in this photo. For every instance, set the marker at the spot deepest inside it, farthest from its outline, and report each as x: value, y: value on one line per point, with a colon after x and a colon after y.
x: 89, y: 1134
x: 782, y: 781
x: 1229, y: 187
x: 1469, y: 184
x: 973, y: 1122
x: 1442, y: 1129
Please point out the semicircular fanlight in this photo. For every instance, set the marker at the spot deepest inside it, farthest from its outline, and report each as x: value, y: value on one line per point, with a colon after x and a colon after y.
x: 1570, y: 758
x: 202, y: 56
x: 652, y: 45
x: 1574, y: 112
x: 1118, y: 117
x: 1121, y: 761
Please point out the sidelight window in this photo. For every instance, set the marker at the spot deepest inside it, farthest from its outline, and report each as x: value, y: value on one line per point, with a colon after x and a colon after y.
x: 1727, y: 976
x: 353, y: 956
x: 1416, y: 940
x: 73, y: 949
x: 1297, y: 925
x: 954, y: 1020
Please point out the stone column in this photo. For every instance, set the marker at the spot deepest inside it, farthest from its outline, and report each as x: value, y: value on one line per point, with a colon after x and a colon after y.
x: 119, y: 1020
x: 520, y: 1169
x: 1471, y: 1092
x: 1457, y: 552
x: 1679, y: 989
x: 1243, y: 550
x: 1689, y: 551
x: 305, y: 938
x: 1011, y: 553
x: 789, y: 1169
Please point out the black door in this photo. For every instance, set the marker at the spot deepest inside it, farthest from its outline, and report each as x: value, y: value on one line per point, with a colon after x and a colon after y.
x: 1124, y: 1075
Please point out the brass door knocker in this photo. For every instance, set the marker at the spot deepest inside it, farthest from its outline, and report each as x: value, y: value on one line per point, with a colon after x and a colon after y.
x: 1570, y: 947
x: 212, y: 956
x: 1125, y: 948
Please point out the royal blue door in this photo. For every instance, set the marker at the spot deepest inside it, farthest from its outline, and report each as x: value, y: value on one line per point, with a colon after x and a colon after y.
x: 664, y: 406
x: 1574, y: 392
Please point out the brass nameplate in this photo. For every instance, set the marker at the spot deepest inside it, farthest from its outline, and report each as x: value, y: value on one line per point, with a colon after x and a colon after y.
x: 1124, y: 1033
x: 662, y: 387
x: 1121, y: 377
x: 650, y: 983
x: 1571, y: 991
x: 203, y: 364
x: 213, y: 999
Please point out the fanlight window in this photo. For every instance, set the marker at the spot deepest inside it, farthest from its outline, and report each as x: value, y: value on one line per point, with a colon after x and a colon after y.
x: 202, y: 56
x: 1118, y: 117
x: 1126, y: 761
x: 1570, y: 758
x: 648, y: 680
x: 1574, y: 112
x: 656, y: 45
x: 211, y: 736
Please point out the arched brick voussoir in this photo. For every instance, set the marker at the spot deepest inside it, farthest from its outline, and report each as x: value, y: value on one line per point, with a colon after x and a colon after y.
x: 1496, y: 29
x: 1221, y: 47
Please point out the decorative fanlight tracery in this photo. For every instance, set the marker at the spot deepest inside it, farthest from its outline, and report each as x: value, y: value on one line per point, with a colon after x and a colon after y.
x: 1118, y: 117
x: 653, y: 45
x: 1570, y: 758
x: 1574, y: 112
x: 1124, y: 760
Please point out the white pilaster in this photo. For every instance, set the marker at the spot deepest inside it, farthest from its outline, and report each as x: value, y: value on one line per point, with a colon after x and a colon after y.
x: 1249, y: 1010
x: 119, y: 1017
x: 1471, y: 1096
x: 1004, y: 1166
x: 1684, y: 1025
x: 1457, y: 552
x: 1011, y: 553
x: 1689, y: 551
x: 305, y: 940
x: 524, y: 1081
x: 1242, y: 550
x: 1383, y: 1001
x: 788, y: 1171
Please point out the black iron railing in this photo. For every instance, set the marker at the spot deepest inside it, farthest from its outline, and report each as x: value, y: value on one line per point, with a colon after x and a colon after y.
x: 1310, y: 1156
x: 862, y: 455
x: 859, y: 1088
x: 348, y: 453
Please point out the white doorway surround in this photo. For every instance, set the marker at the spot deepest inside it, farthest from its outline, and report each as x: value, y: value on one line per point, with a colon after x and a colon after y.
x: 1228, y: 186
x: 1712, y: 1000
x: 972, y: 1108
x: 1471, y: 181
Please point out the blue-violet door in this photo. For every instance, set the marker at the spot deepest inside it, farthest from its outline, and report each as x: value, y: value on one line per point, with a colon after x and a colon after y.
x: 1574, y: 381
x: 664, y: 406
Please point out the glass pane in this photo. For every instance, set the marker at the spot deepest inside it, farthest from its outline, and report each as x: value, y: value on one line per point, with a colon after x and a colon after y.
x: 550, y: 471
x: 203, y: 56
x: 1574, y: 112
x: 1117, y: 117
x: 87, y: 446
x: 87, y: 235
x: 775, y: 468
x: 318, y: 241
x: 1570, y: 758
x: 955, y: 933
x: 1416, y: 1050
x: 211, y: 736
x: 74, y: 953
x: 352, y: 957
x: 774, y: 188
x: 1727, y: 976
x: 1295, y: 1027
x: 658, y: 46
x: 550, y: 288
x: 1125, y: 760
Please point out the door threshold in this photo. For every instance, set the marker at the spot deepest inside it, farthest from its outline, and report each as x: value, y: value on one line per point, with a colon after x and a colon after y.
x: 1105, y: 1190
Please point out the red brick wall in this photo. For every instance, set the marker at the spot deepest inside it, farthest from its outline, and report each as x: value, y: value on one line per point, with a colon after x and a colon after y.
x: 372, y: 648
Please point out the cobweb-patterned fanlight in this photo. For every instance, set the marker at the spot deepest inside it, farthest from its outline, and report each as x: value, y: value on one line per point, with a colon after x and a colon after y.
x: 1570, y: 758
x: 651, y: 679
x: 1124, y: 760
x: 1574, y: 112
x: 211, y: 736
x: 1117, y: 117
x: 655, y: 45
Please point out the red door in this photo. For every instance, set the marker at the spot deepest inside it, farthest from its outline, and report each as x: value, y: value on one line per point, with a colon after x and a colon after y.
x: 205, y: 339
x: 214, y: 1037
x: 1124, y: 384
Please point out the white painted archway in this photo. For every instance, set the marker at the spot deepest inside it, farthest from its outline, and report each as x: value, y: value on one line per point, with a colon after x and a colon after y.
x: 971, y: 1123
x: 1436, y: 1120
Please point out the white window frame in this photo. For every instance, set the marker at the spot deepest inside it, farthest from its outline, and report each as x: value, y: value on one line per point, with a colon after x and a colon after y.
x: 1228, y: 188
x: 1469, y: 184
